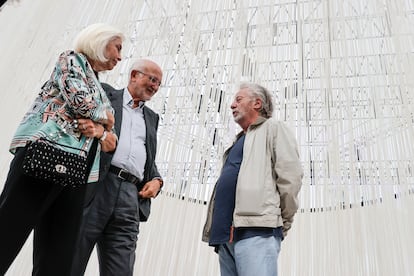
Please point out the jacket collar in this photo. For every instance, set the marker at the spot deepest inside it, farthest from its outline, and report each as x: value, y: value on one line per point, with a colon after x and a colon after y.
x: 260, y: 120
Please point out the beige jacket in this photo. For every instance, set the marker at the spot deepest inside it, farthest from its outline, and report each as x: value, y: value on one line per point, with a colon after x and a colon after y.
x: 269, y: 180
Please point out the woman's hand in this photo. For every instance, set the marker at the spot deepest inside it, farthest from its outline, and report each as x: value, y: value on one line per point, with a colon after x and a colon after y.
x: 92, y: 129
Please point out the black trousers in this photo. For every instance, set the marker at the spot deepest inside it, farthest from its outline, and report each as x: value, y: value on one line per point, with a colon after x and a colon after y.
x: 111, y: 222
x: 52, y: 211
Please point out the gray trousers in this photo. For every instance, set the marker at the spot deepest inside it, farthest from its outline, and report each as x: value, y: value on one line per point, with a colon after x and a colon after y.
x: 111, y: 221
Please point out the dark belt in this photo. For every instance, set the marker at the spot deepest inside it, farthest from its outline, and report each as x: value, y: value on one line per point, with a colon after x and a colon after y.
x: 125, y: 175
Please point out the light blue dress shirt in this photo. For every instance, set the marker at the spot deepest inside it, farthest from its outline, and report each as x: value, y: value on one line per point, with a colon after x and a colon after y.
x: 130, y: 153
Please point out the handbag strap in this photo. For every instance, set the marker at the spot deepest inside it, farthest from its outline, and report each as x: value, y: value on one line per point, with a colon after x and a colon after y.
x: 91, y: 155
x: 94, y: 146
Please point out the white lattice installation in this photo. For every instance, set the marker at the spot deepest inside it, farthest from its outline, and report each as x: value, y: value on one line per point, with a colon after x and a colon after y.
x: 341, y: 73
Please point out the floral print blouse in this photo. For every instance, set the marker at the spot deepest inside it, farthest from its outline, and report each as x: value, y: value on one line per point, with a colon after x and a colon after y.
x: 72, y: 91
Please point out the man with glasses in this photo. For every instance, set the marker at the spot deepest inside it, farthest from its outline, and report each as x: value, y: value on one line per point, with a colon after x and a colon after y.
x: 129, y: 177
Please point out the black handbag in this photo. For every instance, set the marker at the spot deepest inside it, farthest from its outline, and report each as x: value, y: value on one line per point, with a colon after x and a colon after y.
x: 46, y: 161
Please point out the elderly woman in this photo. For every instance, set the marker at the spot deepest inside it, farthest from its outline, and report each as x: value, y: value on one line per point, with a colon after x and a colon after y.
x: 71, y: 109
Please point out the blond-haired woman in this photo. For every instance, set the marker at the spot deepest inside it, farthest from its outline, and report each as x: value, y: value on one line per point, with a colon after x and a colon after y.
x: 71, y: 109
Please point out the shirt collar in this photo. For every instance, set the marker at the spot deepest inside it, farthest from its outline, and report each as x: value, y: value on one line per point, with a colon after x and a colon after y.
x: 127, y: 100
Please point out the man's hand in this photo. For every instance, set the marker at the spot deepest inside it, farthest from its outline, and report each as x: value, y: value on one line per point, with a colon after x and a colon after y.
x: 150, y: 188
x: 109, y: 124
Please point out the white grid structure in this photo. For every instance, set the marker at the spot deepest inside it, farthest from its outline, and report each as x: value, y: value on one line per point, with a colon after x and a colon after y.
x: 341, y: 73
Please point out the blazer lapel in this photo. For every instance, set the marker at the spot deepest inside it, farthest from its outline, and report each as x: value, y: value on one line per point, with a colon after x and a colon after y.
x: 116, y: 98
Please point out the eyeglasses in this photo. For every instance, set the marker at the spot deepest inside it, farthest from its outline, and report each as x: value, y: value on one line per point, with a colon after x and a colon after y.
x: 152, y: 79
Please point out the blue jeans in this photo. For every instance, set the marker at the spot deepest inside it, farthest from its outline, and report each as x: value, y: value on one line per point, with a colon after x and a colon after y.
x: 253, y: 256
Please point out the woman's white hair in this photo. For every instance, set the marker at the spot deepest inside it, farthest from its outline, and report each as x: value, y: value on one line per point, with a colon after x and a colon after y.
x: 92, y: 40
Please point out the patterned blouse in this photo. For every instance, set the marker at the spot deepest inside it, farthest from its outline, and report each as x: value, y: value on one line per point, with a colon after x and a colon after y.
x: 73, y: 91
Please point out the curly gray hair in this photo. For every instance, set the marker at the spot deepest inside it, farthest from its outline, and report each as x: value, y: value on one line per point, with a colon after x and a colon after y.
x: 263, y: 94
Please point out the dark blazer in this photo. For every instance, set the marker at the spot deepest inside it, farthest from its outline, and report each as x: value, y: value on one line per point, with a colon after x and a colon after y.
x: 151, y: 125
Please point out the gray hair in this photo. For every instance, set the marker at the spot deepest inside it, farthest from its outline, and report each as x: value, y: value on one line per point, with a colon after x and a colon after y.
x: 139, y: 64
x: 263, y: 94
x: 92, y: 40
x: 143, y: 65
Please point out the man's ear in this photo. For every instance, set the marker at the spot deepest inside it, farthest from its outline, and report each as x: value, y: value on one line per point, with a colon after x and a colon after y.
x: 133, y: 73
x: 257, y: 104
